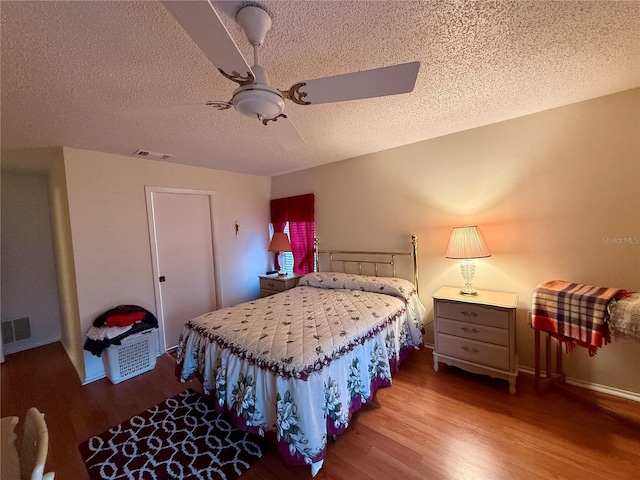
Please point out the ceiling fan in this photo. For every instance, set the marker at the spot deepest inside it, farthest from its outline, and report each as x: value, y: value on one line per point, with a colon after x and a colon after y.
x: 254, y: 96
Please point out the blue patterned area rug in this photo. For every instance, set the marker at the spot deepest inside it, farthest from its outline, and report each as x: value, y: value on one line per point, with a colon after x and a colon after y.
x: 182, y: 437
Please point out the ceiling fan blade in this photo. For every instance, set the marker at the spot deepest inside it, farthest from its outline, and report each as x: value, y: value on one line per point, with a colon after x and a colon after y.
x: 200, y: 20
x: 354, y: 86
x: 190, y: 109
x: 285, y: 132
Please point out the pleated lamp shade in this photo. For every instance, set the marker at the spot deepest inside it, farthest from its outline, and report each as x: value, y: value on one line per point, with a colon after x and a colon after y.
x: 279, y: 243
x: 467, y: 242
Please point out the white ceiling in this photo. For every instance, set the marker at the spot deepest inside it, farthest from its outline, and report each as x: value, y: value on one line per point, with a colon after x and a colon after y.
x: 105, y: 75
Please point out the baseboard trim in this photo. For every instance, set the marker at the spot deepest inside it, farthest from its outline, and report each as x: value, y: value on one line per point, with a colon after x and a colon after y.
x: 617, y: 392
x: 596, y: 387
x: 94, y: 378
x: 22, y: 345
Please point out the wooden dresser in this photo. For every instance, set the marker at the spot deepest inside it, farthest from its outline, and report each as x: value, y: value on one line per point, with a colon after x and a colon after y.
x: 476, y: 333
x: 270, y: 284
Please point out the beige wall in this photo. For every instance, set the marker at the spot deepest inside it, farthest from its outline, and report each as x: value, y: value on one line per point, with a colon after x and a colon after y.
x: 72, y: 335
x: 110, y: 237
x: 28, y: 268
x: 550, y: 191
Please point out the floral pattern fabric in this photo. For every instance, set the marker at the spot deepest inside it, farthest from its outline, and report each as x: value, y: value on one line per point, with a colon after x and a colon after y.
x: 299, y: 363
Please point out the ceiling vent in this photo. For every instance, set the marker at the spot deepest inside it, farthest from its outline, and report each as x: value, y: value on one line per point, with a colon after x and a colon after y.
x: 152, y: 155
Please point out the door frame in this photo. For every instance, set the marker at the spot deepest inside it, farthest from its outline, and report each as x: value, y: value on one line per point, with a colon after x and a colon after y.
x: 149, y: 191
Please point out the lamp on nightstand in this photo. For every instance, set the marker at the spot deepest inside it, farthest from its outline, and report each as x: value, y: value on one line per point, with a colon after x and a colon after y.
x: 467, y: 243
x: 279, y: 243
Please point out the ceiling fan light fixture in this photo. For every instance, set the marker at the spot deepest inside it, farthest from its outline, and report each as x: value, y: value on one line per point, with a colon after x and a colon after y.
x: 258, y: 100
x: 255, y: 97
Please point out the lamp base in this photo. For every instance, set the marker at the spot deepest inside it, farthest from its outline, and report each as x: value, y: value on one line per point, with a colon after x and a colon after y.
x: 468, y: 270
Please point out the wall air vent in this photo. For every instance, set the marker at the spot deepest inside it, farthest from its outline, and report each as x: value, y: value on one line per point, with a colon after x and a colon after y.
x: 152, y: 155
x: 16, y: 330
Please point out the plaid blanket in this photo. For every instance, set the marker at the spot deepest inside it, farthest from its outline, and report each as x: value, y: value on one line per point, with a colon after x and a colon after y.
x: 573, y: 313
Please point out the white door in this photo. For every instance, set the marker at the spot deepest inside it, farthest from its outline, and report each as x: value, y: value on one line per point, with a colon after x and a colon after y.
x: 182, y: 237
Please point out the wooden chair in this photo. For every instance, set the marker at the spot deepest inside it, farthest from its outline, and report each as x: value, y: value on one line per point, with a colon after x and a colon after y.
x: 34, y: 447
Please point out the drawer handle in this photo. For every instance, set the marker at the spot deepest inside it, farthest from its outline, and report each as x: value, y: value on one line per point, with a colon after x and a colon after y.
x: 470, y: 349
x: 271, y: 284
x: 470, y: 314
x: 467, y: 329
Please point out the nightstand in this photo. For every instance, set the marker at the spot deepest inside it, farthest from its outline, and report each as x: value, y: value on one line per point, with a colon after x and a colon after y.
x: 270, y: 284
x: 476, y: 333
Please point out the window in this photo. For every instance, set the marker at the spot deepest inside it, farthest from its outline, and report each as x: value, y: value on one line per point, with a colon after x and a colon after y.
x: 295, y: 216
x: 286, y: 258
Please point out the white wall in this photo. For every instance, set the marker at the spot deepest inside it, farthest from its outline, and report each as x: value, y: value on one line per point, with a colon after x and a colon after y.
x: 546, y: 189
x: 110, y: 238
x: 28, y: 270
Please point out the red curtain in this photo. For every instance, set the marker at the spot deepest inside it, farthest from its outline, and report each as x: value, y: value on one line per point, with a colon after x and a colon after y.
x: 279, y: 214
x: 299, y: 211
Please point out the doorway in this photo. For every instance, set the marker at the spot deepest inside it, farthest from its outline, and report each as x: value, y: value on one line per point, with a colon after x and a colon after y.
x: 181, y: 230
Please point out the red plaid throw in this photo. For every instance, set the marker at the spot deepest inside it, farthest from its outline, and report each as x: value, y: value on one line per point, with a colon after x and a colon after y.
x: 573, y: 313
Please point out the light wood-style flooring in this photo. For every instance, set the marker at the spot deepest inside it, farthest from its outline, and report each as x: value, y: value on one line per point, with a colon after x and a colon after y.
x: 446, y: 425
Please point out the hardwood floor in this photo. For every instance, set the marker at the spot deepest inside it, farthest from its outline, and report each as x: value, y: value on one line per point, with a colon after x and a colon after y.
x: 446, y: 425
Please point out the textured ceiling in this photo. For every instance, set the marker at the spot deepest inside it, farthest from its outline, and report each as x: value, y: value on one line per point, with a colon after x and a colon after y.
x: 118, y: 76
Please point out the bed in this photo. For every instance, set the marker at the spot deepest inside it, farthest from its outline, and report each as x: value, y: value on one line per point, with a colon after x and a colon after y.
x: 301, y: 362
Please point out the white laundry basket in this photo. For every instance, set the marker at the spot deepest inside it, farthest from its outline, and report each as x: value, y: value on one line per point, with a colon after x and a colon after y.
x: 136, y: 354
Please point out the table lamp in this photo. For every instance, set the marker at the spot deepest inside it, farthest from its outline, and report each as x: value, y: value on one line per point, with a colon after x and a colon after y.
x: 467, y: 243
x: 279, y: 243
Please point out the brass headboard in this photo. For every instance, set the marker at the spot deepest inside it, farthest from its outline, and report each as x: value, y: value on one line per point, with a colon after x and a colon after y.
x: 349, y: 257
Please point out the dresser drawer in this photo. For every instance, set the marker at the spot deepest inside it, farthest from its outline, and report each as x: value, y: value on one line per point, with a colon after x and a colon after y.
x: 492, y: 317
x: 482, y: 333
x: 269, y: 284
x: 488, y: 354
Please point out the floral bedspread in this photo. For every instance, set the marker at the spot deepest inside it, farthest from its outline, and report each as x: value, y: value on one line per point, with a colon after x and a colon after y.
x: 299, y: 363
